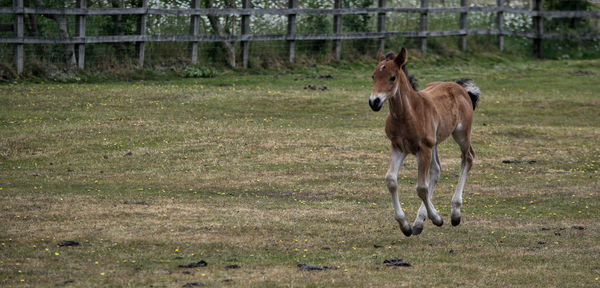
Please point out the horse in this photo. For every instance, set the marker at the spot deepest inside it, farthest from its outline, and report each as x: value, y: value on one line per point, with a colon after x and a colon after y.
x: 418, y: 121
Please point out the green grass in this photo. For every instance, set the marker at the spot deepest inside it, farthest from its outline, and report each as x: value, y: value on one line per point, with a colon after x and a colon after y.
x: 252, y: 169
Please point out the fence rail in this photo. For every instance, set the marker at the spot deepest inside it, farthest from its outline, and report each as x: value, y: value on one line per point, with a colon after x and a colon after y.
x: 80, y: 39
x: 289, y: 11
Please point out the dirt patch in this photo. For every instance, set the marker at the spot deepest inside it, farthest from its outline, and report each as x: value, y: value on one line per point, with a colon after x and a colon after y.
x: 64, y: 283
x: 312, y: 267
x: 396, y: 262
x: 193, y: 284
x: 68, y: 243
x: 519, y: 161
x: 200, y: 263
x: 313, y: 87
x: 136, y: 203
x: 582, y: 73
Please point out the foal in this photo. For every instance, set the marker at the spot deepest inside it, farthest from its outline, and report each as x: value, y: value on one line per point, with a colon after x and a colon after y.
x: 417, y: 123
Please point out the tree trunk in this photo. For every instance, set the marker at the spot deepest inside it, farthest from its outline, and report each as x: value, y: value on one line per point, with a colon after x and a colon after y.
x: 31, y: 25
x: 61, y: 22
x: 69, y: 48
x: 33, y: 30
x: 218, y: 28
x: 116, y: 28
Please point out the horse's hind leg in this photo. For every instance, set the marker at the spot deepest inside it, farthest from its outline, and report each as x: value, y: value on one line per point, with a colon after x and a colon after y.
x: 467, y: 156
x: 424, y: 159
x: 434, y: 175
x: 391, y: 181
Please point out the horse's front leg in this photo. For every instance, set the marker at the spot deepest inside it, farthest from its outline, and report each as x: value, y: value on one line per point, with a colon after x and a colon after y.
x: 391, y: 181
x: 424, y: 158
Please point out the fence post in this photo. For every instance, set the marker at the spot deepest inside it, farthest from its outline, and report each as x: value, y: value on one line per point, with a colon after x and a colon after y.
x: 462, y: 41
x: 423, y: 26
x: 538, y: 26
x: 80, y: 32
x: 381, y: 24
x: 141, y: 30
x: 19, y: 53
x: 500, y: 24
x: 291, y: 31
x: 337, y: 29
x: 245, y: 26
x: 194, y: 26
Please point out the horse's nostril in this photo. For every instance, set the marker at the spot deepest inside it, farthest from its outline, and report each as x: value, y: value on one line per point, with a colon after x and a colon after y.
x: 375, y: 102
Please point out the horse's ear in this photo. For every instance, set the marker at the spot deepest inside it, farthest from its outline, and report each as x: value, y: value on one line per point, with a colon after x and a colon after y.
x: 380, y: 56
x: 401, y: 58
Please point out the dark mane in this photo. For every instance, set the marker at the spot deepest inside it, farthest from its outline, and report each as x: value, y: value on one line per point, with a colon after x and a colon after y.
x: 411, y: 78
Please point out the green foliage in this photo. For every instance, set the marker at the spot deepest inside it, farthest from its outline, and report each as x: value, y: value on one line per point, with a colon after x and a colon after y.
x: 199, y: 72
x: 579, y: 25
x: 6, y: 73
x: 357, y: 23
x: 570, y: 48
x: 316, y: 24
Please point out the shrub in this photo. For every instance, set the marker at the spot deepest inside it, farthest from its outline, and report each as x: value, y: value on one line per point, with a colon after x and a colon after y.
x: 199, y: 72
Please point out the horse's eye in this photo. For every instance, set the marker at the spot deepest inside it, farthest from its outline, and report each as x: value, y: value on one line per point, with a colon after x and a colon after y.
x: 393, y: 78
x: 373, y: 77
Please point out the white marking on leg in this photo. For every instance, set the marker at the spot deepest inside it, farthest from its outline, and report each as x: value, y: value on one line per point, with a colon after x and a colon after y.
x: 391, y: 181
x: 425, y: 195
x: 434, y: 175
x: 457, y: 197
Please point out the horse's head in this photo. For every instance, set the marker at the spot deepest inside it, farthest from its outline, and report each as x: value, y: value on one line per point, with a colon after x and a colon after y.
x: 385, y: 77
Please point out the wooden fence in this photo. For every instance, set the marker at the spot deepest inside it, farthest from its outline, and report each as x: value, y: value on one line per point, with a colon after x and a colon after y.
x: 81, y: 11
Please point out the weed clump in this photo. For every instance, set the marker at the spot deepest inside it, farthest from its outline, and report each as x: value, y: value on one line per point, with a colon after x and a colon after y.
x: 199, y: 72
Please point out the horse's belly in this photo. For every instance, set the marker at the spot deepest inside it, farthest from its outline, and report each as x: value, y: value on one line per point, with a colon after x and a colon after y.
x: 403, y: 144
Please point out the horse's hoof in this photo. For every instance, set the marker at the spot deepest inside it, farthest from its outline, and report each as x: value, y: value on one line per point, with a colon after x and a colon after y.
x: 417, y: 230
x: 455, y: 221
x: 406, y: 230
x: 438, y: 221
x: 455, y: 217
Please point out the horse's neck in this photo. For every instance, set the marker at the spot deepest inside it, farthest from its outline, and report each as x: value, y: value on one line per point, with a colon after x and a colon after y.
x: 403, y: 100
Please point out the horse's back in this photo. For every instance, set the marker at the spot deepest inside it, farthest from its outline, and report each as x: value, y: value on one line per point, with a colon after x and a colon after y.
x: 452, y: 105
x: 448, y: 95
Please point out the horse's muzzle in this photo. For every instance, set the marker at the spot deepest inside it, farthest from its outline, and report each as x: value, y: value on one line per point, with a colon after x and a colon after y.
x: 375, y: 104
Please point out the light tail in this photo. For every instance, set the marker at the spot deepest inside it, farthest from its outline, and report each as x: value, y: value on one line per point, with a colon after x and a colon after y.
x: 472, y: 89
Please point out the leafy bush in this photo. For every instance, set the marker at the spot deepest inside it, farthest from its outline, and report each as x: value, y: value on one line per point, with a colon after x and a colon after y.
x: 570, y: 48
x: 199, y: 72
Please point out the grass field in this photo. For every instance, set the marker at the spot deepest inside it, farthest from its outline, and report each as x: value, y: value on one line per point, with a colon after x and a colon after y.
x: 254, y: 170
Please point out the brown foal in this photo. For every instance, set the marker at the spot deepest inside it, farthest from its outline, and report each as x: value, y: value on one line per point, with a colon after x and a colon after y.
x: 417, y: 123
